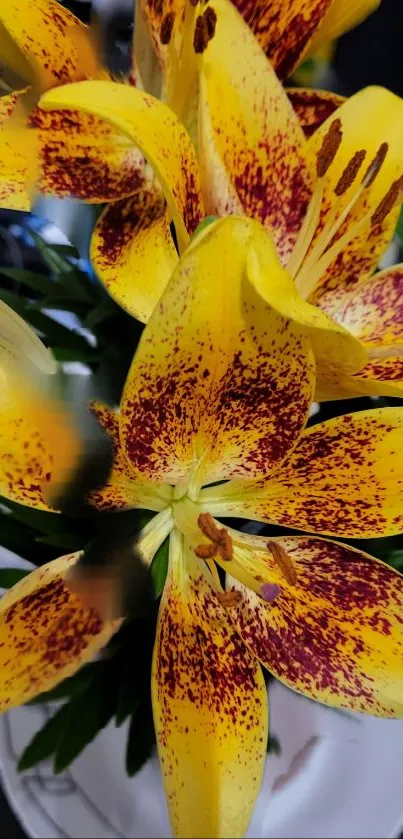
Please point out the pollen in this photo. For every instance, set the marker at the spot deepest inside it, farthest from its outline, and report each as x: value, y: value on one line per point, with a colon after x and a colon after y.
x: 284, y: 562
x: 388, y: 202
x: 201, y: 35
x: 349, y: 174
x: 375, y: 165
x: 221, y: 542
x: 167, y: 27
x: 229, y: 599
x: 329, y: 148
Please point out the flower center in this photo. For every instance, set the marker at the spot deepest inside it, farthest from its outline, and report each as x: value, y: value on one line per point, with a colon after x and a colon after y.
x: 312, y: 256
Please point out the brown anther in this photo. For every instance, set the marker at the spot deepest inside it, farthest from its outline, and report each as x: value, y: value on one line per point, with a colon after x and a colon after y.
x: 200, y: 37
x: 210, y: 16
x: 158, y: 7
x: 206, y: 551
x: 388, y: 202
x: 284, y: 562
x: 220, y: 538
x: 194, y: 3
x: 167, y: 26
x: 329, y: 148
x: 375, y: 165
x: 349, y: 174
x: 229, y: 599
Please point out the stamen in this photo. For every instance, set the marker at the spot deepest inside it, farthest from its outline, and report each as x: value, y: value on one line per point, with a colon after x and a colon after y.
x: 388, y: 202
x: 208, y: 526
x: 206, y: 551
x: 329, y: 148
x: 284, y: 562
x: 201, y: 35
x: 210, y: 16
x: 375, y: 165
x: 167, y: 27
x: 269, y: 592
x: 349, y: 174
x: 229, y: 599
x: 220, y: 538
x: 158, y: 7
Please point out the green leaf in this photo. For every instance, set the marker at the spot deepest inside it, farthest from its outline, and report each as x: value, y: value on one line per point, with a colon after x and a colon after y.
x: 203, y: 224
x: 273, y: 745
x: 93, y: 709
x: 99, y: 313
x: 54, y: 332
x: 140, y: 740
x: 395, y: 558
x: 66, y: 251
x: 16, y: 538
x: 46, y: 740
x: 10, y: 576
x: 51, y: 255
x: 128, y: 699
x: 71, y: 686
x: 38, y: 282
x: 399, y: 228
x: 44, y: 522
x: 64, y: 541
x: 90, y: 356
x: 159, y: 568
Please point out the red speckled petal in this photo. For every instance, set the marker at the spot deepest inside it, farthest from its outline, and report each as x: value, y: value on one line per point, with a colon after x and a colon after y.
x: 336, y: 634
x: 252, y: 149
x: 345, y: 478
x: 130, y: 236
x: 210, y: 707
x: 125, y: 489
x: 313, y: 107
x: 369, y: 118
x: 45, y: 633
x: 153, y: 14
x: 151, y: 126
x: 42, y: 41
x: 341, y: 16
x: 283, y: 29
x: 83, y: 157
x: 221, y: 383
x: 18, y: 166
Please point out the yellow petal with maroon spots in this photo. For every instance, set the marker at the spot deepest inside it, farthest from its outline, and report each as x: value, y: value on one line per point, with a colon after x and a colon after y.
x: 152, y: 127
x: 125, y: 488
x: 371, y: 122
x: 44, y: 43
x: 249, y: 134
x: 336, y: 633
x: 154, y: 14
x: 313, y: 107
x: 220, y: 383
x: 127, y: 236
x: 344, y: 478
x: 45, y: 633
x: 18, y: 165
x: 285, y: 29
x: 341, y: 16
x: 210, y: 707
x: 83, y: 157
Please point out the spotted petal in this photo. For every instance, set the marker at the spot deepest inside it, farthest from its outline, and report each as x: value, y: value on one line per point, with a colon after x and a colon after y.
x: 251, y: 146
x: 18, y: 164
x: 344, y: 478
x: 151, y: 126
x: 335, y: 633
x: 341, y: 16
x: 42, y: 42
x: 124, y: 237
x: 210, y: 707
x: 220, y: 383
x: 45, y: 633
x: 313, y: 107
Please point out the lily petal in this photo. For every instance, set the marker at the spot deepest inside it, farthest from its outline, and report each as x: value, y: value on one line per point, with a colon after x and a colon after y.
x: 210, y: 707
x: 341, y: 16
x: 45, y: 633
x: 126, y: 234
x: 370, y: 118
x: 125, y: 489
x: 44, y: 43
x: 336, y: 633
x: 18, y: 165
x: 343, y: 479
x: 284, y: 30
x: 220, y: 384
x: 313, y: 107
x: 151, y: 126
x: 251, y: 146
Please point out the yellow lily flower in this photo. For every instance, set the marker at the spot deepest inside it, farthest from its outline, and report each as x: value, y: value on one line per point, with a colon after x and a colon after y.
x: 211, y: 422
x: 330, y: 202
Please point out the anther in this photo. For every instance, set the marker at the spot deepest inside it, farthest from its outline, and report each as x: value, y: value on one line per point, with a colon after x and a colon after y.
x: 219, y: 537
x: 388, y: 202
x: 284, y: 562
x: 210, y: 17
x: 194, y: 3
x: 229, y: 599
x: 349, y: 174
x: 158, y: 7
x: 201, y: 36
x: 375, y: 165
x: 329, y: 148
x: 167, y: 27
